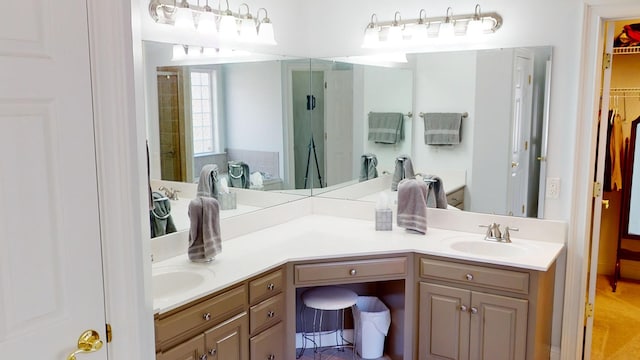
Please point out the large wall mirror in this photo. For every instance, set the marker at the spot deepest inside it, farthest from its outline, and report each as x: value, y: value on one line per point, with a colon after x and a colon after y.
x: 631, y: 193
x: 232, y: 106
x: 302, y: 124
x: 503, y: 93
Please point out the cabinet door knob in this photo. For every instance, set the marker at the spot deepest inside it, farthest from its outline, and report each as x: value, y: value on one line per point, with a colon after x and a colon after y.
x: 271, y: 314
x: 352, y: 272
x: 271, y: 357
x: 463, y: 308
x: 474, y: 310
x: 270, y: 287
x: 469, y: 277
x: 213, y: 352
x: 203, y: 357
x: 206, y: 316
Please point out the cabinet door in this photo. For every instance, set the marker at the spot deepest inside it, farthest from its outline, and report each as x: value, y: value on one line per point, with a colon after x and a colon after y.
x: 228, y: 341
x: 444, y: 322
x: 268, y: 345
x: 498, y: 327
x: 189, y: 350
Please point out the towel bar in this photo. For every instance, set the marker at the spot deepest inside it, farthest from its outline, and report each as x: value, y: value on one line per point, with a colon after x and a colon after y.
x: 464, y: 114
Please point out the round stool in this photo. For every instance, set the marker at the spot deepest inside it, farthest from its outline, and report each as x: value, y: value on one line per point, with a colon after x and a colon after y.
x: 321, y: 299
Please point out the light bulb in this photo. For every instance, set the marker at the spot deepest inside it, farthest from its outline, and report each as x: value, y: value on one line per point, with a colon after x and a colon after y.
x: 207, y: 23
x: 446, y: 31
x: 184, y: 18
x: 475, y: 28
x: 248, y: 31
x: 371, y: 37
x: 394, y: 36
x: 420, y: 34
x: 266, y: 34
x: 228, y: 27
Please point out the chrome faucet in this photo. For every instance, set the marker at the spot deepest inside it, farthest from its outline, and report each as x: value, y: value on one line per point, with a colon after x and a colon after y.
x: 494, y: 233
x: 170, y: 193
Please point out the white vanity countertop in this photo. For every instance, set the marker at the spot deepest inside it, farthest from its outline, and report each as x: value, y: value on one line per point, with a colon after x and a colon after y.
x: 322, y: 237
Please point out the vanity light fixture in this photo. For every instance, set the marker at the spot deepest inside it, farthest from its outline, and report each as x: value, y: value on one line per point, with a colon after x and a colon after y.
x: 425, y: 29
x: 225, y: 24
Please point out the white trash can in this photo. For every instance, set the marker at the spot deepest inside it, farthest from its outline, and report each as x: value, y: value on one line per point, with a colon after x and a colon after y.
x: 372, y: 320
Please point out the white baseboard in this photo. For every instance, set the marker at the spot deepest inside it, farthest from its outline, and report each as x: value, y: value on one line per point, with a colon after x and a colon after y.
x: 328, y: 338
x: 555, y: 353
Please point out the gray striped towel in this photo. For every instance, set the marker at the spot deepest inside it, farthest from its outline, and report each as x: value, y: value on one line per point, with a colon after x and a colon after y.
x: 386, y: 128
x: 204, y: 233
x: 412, y: 205
x: 442, y: 128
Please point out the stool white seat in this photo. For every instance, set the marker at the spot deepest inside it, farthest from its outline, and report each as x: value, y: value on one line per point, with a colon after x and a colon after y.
x: 327, y: 298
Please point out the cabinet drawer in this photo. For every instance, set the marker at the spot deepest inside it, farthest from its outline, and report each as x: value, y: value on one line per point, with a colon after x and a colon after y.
x: 455, y: 198
x: 350, y: 271
x: 266, y: 286
x: 476, y: 275
x: 268, y: 345
x: 266, y: 313
x: 208, y: 312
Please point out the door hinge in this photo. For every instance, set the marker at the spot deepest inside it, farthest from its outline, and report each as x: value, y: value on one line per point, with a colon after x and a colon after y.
x: 529, y: 79
x: 109, y: 333
x: 523, y: 209
x: 325, y: 84
x: 589, y: 310
x: 606, y: 63
x: 597, y: 189
x: 526, y: 145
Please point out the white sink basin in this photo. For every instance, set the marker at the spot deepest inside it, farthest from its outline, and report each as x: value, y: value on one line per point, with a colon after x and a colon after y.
x: 479, y: 246
x: 172, y: 281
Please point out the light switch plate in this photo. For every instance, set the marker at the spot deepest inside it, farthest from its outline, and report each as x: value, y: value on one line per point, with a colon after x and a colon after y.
x: 553, y: 188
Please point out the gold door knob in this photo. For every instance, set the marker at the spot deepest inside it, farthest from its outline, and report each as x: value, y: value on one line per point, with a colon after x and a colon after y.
x: 88, y: 342
x: 605, y: 203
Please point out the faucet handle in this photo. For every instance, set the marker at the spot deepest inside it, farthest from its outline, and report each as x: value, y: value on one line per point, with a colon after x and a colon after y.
x: 507, y: 237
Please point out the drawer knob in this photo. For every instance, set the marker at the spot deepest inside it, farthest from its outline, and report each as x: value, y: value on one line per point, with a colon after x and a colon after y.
x: 213, y: 352
x: 474, y: 310
x: 352, y: 272
x: 271, y: 314
x: 206, y: 316
x: 270, y: 287
x: 203, y: 357
x: 271, y: 357
x: 463, y: 308
x: 469, y: 277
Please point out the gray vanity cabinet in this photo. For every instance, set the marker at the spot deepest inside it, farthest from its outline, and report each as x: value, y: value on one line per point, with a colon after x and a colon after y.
x: 472, y: 311
x: 462, y: 324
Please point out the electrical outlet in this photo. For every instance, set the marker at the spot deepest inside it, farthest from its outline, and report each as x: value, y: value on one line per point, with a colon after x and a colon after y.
x: 553, y: 188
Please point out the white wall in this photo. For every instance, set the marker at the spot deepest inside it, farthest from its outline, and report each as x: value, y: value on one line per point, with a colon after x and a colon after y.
x: 386, y: 90
x: 444, y: 82
x: 253, y: 106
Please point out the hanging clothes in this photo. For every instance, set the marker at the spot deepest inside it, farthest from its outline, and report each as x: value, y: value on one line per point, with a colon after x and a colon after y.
x: 616, y: 149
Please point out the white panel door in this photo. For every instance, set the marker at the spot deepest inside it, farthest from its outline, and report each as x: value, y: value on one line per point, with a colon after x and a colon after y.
x: 338, y: 127
x: 51, y: 284
x: 520, y: 135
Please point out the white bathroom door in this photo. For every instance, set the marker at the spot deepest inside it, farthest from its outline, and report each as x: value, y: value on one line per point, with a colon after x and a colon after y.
x: 598, y: 196
x: 521, y: 135
x: 338, y: 126
x: 51, y: 281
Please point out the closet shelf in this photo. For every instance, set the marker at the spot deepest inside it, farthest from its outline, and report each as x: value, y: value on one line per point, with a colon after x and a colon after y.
x: 630, y: 50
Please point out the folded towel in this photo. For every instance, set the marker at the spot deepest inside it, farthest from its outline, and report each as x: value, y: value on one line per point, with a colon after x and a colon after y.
x: 403, y: 170
x: 442, y: 128
x: 386, y: 128
x: 368, y: 170
x: 160, y: 215
x: 208, y: 185
x: 204, y: 231
x: 239, y: 175
x: 412, y: 205
x: 436, y: 196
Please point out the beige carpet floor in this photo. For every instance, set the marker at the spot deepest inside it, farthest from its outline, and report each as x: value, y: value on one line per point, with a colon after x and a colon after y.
x: 616, y: 321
